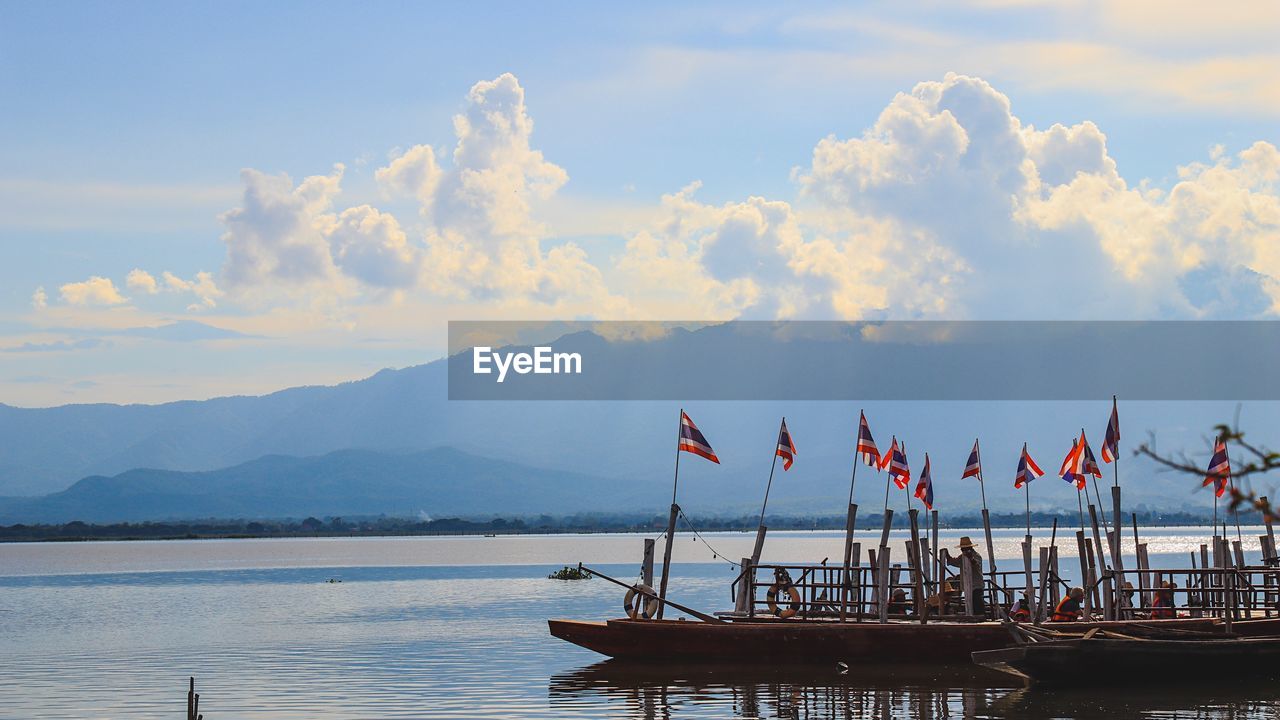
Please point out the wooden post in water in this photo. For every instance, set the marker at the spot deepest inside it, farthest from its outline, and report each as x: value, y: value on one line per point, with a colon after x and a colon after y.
x: 193, y: 702
x: 1026, y: 568
x: 856, y: 573
x: 1117, y: 560
x: 939, y: 573
x: 888, y: 523
x: 1040, y: 606
x: 1055, y: 588
x: 1205, y: 595
x: 746, y: 588
x: 1082, y: 546
x: 1105, y: 587
x: 1271, y: 536
x: 882, y: 584
x: 756, y: 551
x: 994, y: 601
x: 917, y: 571
x: 846, y: 576
x: 873, y: 562
x: 967, y: 583
x: 666, y: 553
x: 646, y: 565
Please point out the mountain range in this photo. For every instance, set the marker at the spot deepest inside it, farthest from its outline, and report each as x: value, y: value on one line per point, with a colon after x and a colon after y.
x: 393, y: 443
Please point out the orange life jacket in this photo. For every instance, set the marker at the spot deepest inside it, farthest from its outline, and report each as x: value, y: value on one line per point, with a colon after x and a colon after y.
x: 1020, y: 615
x: 1068, y: 610
x: 1162, y: 606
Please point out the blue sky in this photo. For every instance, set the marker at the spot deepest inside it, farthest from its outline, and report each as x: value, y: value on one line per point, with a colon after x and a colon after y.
x: 941, y: 192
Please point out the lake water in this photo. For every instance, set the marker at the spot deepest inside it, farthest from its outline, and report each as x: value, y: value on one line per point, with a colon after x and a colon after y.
x: 455, y: 628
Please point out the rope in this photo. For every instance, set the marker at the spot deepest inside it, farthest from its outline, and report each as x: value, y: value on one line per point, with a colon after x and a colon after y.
x: 714, y: 553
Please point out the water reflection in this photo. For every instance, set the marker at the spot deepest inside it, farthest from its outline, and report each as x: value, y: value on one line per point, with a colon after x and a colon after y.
x: 659, y: 692
x: 796, y: 691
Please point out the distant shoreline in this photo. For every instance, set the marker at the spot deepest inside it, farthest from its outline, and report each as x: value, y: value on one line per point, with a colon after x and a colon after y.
x: 543, y: 525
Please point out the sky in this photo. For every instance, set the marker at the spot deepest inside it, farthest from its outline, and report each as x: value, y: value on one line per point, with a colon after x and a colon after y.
x: 200, y: 200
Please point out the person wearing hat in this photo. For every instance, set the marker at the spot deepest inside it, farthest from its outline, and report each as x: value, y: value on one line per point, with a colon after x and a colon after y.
x: 1068, y: 609
x: 1162, y: 604
x: 969, y: 554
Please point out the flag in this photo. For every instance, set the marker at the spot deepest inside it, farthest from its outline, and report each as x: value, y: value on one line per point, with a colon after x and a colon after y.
x: 1088, y: 463
x: 866, y: 444
x: 896, y: 461
x: 973, y: 468
x: 786, y: 448
x: 693, y: 441
x: 1028, y: 470
x: 1219, y: 469
x: 924, y: 488
x: 1070, y: 470
x: 1111, y: 441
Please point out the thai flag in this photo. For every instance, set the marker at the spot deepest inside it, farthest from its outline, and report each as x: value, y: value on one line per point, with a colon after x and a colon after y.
x: 896, y: 462
x: 1219, y: 468
x: 1071, y: 470
x: 867, y: 449
x: 973, y: 468
x: 1111, y: 441
x: 1028, y: 470
x: 1088, y: 463
x: 924, y: 488
x: 786, y: 448
x: 692, y: 440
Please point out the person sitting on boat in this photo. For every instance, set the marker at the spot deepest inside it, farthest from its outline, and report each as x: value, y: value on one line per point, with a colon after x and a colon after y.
x: 1162, y: 605
x: 969, y: 554
x: 898, y: 603
x: 1068, y: 609
x: 1020, y: 611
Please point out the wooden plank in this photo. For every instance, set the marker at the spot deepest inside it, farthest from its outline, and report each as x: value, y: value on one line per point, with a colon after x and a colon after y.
x: 744, y: 602
x: 994, y: 601
x: 888, y: 524
x: 1104, y: 588
x: 967, y: 585
x: 1082, y: 546
x: 883, y: 584
x: 666, y: 558
x: 1041, y: 608
x: 846, y: 577
x: 1144, y: 598
x: 917, y: 572
x: 1271, y: 535
x: 1029, y: 588
x: 759, y: 546
x: 1055, y: 588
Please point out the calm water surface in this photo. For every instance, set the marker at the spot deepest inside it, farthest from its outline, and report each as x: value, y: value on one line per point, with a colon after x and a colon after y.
x: 456, y: 628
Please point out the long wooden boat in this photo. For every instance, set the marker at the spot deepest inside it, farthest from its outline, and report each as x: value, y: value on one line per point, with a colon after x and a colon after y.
x: 1102, y: 659
x: 773, y: 640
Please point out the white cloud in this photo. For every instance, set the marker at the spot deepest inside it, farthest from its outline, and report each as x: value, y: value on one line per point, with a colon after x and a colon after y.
x: 202, y: 286
x: 370, y: 246
x: 94, y: 291
x: 275, y: 240
x: 140, y: 280
x: 414, y: 173
x: 39, y: 299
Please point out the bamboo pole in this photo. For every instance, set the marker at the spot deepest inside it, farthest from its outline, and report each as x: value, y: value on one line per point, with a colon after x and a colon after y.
x: 671, y: 522
x: 1082, y: 546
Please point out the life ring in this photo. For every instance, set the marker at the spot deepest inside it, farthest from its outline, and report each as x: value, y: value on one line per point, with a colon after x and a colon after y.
x: 792, y: 607
x: 647, y: 607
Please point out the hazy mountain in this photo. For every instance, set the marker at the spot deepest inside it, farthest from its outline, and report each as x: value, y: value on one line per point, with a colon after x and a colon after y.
x: 627, y: 444
x: 436, y: 483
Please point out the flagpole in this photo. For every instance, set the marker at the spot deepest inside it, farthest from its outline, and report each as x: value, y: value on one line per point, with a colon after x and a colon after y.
x: 910, y: 492
x: 1027, y: 487
x: 772, y: 466
x: 889, y: 474
x: 1115, y: 461
x: 853, y: 478
x: 671, y: 522
x: 1232, y: 480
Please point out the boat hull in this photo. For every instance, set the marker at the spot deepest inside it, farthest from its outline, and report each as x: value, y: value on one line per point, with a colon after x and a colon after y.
x: 811, y: 641
x: 1125, y: 662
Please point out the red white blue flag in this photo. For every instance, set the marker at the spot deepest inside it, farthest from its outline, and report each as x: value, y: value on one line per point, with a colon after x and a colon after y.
x: 1070, y: 467
x: 867, y: 449
x: 973, y: 468
x: 1028, y: 470
x: 1111, y: 441
x: 693, y: 441
x: 786, y: 448
x: 924, y: 488
x: 1219, y: 469
x: 896, y: 462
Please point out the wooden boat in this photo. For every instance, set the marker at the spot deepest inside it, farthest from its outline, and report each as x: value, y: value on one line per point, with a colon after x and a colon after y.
x: 771, y: 640
x: 1101, y: 657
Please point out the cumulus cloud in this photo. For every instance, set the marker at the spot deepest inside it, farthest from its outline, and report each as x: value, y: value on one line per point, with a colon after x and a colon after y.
x: 202, y: 286
x: 94, y: 291
x: 275, y: 240
x: 140, y: 280
x: 39, y: 299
